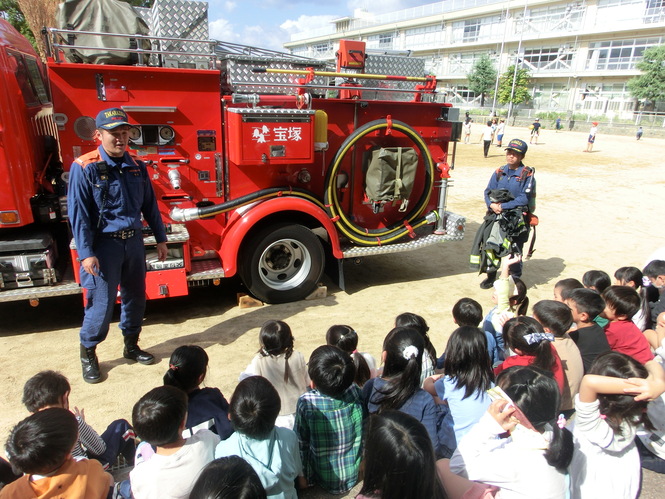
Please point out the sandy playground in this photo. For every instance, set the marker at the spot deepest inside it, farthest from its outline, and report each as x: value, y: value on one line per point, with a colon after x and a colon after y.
x: 598, y: 210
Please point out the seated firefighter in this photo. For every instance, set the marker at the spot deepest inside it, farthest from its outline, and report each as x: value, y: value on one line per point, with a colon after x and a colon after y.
x: 510, y: 198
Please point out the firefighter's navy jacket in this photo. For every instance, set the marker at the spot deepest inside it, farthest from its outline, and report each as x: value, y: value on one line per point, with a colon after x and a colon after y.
x: 520, y: 183
x: 120, y: 195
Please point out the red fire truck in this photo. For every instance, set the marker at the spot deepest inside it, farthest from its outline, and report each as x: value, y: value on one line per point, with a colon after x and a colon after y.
x: 264, y: 164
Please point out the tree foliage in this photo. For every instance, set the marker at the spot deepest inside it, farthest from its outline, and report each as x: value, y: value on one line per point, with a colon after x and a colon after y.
x: 482, y: 78
x: 10, y: 11
x: 521, y: 79
x: 650, y: 85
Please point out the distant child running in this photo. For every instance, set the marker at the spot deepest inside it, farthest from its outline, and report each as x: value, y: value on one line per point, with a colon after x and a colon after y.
x: 283, y: 366
x: 535, y: 131
x: 592, y: 136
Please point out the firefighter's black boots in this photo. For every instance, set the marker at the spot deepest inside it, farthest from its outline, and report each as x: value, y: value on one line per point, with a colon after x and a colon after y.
x: 90, y: 365
x: 133, y: 352
x: 489, y: 281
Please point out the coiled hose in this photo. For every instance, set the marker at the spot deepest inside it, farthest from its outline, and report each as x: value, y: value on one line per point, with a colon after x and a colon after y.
x: 378, y: 237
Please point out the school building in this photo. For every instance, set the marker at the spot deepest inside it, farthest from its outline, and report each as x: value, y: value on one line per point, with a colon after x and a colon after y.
x: 580, y: 53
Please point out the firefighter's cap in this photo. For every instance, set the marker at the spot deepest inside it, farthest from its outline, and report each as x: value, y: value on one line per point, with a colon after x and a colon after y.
x: 518, y: 146
x: 108, y: 119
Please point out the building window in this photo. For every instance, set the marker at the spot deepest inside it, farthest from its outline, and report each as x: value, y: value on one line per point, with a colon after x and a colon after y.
x: 381, y: 41
x: 552, y: 19
x: 426, y: 36
x: 321, y: 48
x: 618, y: 55
x: 548, y: 59
x: 479, y: 29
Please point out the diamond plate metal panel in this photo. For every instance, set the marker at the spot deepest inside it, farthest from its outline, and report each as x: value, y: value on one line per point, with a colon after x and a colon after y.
x: 181, y: 19
x: 60, y: 289
x: 240, y: 76
x: 453, y: 233
x: 393, y: 65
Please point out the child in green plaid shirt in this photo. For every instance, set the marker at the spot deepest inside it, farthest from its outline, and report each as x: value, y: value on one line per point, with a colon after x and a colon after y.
x: 329, y: 422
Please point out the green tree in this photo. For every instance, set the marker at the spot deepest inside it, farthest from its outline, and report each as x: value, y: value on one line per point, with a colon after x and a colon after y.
x: 650, y: 85
x: 11, y: 12
x: 520, y: 79
x: 482, y: 78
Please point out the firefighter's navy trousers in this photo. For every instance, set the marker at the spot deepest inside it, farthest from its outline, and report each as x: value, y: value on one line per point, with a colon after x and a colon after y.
x: 122, y: 263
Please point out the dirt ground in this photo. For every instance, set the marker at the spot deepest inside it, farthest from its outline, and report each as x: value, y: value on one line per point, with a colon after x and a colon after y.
x: 597, y: 211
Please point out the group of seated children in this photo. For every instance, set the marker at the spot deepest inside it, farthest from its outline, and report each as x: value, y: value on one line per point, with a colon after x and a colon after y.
x: 547, y: 405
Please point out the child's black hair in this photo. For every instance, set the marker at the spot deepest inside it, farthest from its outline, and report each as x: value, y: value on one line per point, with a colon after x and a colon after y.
x: 43, y: 441
x: 587, y: 301
x: 618, y: 407
x: 623, y: 300
x: 468, y: 312
x: 254, y: 407
x: 46, y: 388
x: 468, y: 361
x: 403, y: 347
x: 537, y: 395
x: 527, y: 335
x: 654, y: 268
x: 567, y: 285
x: 519, y: 299
x: 331, y: 370
x: 157, y: 415
x: 346, y: 339
x: 415, y: 321
x: 554, y: 315
x: 187, y: 365
x: 228, y: 478
x: 626, y: 275
x: 399, y: 459
x: 596, y: 279
x: 276, y: 338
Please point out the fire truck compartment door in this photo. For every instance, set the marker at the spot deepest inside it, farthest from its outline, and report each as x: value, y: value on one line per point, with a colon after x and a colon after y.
x: 271, y: 136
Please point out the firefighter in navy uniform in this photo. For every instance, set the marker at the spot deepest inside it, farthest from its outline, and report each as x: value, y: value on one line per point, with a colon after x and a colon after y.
x: 519, y: 182
x: 108, y: 192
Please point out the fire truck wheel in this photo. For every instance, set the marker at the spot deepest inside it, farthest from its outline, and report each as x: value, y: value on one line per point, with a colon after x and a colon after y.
x: 282, y: 263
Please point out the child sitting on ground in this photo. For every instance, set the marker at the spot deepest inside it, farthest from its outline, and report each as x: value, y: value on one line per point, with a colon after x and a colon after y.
x: 510, y: 301
x: 399, y: 388
x: 206, y: 407
x: 556, y: 318
x: 622, y: 303
x: 418, y: 323
x: 51, y: 389
x: 346, y: 339
x: 283, y: 366
x: 585, y: 305
x: 526, y: 456
x: 329, y: 422
x: 399, y: 459
x: 159, y: 418
x: 533, y: 347
x: 271, y: 450
x: 563, y: 287
x: 468, y: 376
x: 228, y: 478
x: 598, y: 280
x: 468, y: 312
x: 41, y: 446
x: 633, y: 278
x: 606, y: 462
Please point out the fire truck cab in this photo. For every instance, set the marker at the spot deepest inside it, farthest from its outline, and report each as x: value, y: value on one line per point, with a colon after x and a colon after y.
x: 261, y: 161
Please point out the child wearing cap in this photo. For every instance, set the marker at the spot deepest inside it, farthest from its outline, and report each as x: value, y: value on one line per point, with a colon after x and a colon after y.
x: 592, y: 136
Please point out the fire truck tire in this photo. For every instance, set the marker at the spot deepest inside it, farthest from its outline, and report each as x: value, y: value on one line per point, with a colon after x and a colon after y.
x: 282, y: 263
